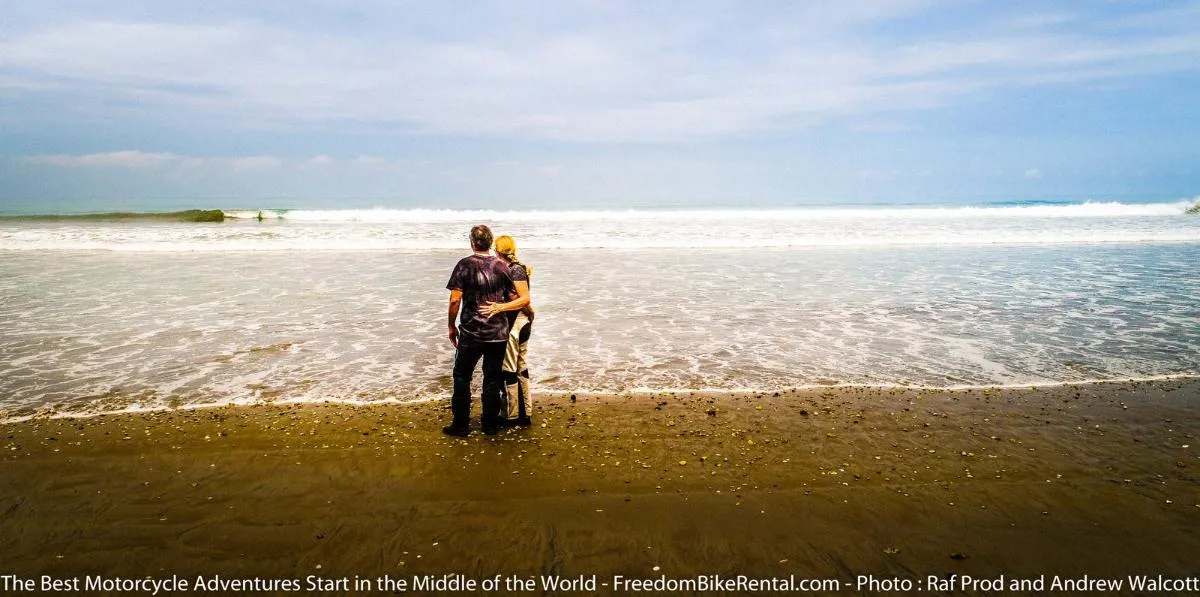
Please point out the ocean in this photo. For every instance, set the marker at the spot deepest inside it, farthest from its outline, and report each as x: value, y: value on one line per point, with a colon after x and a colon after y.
x: 100, y: 314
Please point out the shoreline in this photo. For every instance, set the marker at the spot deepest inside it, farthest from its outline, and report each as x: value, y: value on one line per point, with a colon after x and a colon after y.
x: 1101, y: 480
x: 54, y: 412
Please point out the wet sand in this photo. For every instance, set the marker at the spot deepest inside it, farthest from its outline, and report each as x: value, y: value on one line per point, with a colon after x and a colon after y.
x: 1098, y: 479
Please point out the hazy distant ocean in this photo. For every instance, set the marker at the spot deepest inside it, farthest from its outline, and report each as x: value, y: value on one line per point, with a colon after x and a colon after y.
x: 350, y: 304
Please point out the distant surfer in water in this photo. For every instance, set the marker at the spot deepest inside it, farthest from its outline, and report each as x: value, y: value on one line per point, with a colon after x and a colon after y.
x: 480, y: 279
x: 519, y: 401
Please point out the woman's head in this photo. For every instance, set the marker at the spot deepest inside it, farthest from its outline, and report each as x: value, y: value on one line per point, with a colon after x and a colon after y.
x: 506, y: 247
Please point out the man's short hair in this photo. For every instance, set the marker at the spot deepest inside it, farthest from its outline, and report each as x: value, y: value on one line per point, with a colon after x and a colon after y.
x: 481, y: 238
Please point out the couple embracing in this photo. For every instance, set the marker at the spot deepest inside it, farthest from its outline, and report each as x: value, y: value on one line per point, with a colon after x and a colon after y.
x: 492, y: 294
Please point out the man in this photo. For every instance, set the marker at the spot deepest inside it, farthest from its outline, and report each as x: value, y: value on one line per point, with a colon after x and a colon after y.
x: 477, y: 280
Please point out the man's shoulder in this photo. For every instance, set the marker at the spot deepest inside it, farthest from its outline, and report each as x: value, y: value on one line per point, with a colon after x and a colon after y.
x: 462, y: 270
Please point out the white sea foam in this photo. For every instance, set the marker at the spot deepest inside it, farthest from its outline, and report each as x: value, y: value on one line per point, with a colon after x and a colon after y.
x: 110, y: 331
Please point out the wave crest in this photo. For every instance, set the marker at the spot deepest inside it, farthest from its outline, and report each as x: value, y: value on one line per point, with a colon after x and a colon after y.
x: 1107, y: 209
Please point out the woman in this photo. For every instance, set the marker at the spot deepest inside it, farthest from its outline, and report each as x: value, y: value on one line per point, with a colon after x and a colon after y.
x: 516, y: 372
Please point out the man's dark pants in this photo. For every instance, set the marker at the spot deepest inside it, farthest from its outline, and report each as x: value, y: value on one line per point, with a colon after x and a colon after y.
x: 465, y: 359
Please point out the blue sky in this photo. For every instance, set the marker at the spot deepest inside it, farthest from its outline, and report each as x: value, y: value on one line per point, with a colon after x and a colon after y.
x: 147, y: 104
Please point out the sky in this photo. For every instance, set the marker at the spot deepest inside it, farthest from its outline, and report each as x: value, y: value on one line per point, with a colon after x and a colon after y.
x: 130, y: 104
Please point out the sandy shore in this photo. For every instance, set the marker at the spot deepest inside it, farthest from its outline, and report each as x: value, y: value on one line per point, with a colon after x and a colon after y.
x: 1097, y: 479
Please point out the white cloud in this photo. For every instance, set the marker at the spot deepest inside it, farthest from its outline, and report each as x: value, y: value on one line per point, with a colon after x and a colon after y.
x: 890, y: 174
x: 884, y: 127
x: 1042, y: 20
x: 1032, y: 174
x: 612, y: 76
x: 368, y: 160
x: 143, y: 159
x: 255, y: 162
x: 120, y: 159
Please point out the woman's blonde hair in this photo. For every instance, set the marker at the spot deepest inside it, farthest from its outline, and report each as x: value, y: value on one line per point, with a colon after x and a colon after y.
x: 507, y: 247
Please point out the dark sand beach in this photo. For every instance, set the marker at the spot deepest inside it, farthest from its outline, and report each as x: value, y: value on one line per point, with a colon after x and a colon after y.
x: 1098, y: 480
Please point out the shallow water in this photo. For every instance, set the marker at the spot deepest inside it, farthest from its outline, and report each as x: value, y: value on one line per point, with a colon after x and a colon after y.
x: 103, y: 330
